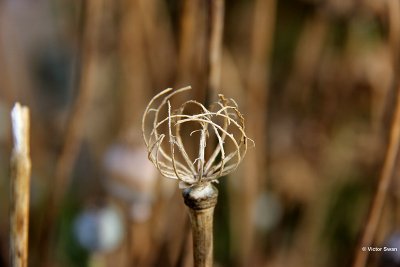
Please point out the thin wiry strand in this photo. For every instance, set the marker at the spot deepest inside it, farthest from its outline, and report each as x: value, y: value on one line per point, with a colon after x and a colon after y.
x: 215, y: 124
x: 157, y: 110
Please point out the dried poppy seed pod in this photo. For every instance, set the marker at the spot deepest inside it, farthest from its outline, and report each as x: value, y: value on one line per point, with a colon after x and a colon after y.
x: 165, y: 141
x: 167, y: 149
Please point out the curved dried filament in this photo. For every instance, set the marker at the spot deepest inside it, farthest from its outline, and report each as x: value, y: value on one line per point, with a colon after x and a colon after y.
x: 182, y: 168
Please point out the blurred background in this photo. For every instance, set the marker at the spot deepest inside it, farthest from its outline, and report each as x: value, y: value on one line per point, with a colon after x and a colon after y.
x: 315, y: 79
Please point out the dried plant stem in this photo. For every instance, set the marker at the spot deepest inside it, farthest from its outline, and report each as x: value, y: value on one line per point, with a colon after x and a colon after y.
x: 201, y: 200
x: 75, y: 125
x: 132, y: 52
x: 258, y: 85
x: 393, y: 9
x: 188, y: 25
x: 306, y: 58
x: 263, y: 25
x: 383, y: 185
x: 156, y: 29
x: 201, y: 47
x: 392, y: 152
x: 20, y: 184
x: 192, y: 54
x: 16, y: 77
x: 216, y: 10
x: 76, y: 121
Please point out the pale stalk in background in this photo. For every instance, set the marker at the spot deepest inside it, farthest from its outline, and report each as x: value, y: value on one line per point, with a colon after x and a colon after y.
x: 306, y: 57
x: 201, y: 48
x: 132, y: 54
x: 200, y: 58
x: 301, y: 83
x: 188, y: 25
x: 160, y: 68
x: 216, y: 9
x: 157, y: 29
x: 192, y: 55
x: 258, y: 79
x: 171, y: 242
x: 382, y: 189
x: 16, y: 77
x: 256, y: 101
x: 385, y: 178
x: 76, y: 122
x: 393, y: 11
x: 20, y: 187
x: 157, y: 63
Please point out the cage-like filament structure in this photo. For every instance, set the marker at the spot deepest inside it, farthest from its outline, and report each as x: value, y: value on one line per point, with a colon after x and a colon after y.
x: 222, y: 126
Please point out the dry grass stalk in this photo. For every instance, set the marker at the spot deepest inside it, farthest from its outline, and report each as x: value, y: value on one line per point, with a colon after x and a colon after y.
x: 192, y: 53
x: 216, y: 10
x: 393, y: 10
x: 132, y: 53
x: 200, y: 47
x: 16, y: 79
x: 75, y: 125
x: 133, y: 59
x: 196, y: 175
x: 375, y: 213
x: 20, y: 185
x: 76, y: 122
x: 256, y: 98
x: 188, y: 26
x: 306, y: 58
x: 157, y: 29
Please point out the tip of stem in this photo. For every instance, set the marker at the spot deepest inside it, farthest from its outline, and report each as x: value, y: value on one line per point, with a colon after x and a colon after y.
x: 201, y: 196
x: 20, y: 128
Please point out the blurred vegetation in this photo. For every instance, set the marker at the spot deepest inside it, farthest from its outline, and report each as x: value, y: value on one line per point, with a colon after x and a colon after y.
x: 318, y: 104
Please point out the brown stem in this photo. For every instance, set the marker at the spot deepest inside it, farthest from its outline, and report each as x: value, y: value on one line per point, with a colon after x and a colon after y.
x: 201, y: 200
x: 76, y: 121
x: 216, y: 10
x: 192, y: 55
x: 393, y: 10
x: 74, y: 128
x: 383, y: 186
x: 392, y: 152
x: 20, y: 184
x: 256, y: 100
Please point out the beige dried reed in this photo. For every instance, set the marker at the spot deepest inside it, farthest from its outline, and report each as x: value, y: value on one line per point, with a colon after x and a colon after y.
x: 389, y: 165
x: 20, y: 185
x: 93, y: 12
